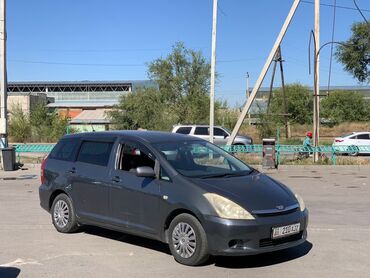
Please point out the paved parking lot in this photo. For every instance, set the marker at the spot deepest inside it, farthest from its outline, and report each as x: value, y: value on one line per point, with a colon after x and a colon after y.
x: 338, y: 243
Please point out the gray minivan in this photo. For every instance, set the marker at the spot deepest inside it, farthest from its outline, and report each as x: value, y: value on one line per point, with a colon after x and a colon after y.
x: 170, y: 187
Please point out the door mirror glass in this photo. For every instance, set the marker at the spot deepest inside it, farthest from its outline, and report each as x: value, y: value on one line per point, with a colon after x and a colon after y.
x: 145, y: 171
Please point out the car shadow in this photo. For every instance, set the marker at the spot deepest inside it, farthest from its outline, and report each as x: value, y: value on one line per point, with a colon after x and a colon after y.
x: 263, y: 260
x: 253, y: 261
x: 9, y: 272
x: 127, y: 238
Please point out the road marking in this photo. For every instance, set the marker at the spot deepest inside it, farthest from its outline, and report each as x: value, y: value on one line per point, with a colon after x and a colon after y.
x: 19, y: 262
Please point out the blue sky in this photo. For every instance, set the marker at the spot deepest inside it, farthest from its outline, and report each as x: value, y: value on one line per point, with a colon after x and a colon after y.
x: 114, y: 39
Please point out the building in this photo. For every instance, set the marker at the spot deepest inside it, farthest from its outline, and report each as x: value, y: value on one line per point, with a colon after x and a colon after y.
x: 85, y: 102
x: 26, y: 101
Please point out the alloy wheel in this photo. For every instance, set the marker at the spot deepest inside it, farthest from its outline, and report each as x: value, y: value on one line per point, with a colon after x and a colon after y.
x: 61, y: 214
x: 184, y: 240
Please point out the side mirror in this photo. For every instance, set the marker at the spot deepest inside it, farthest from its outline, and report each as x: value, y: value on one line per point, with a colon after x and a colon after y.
x: 145, y: 172
x: 226, y: 135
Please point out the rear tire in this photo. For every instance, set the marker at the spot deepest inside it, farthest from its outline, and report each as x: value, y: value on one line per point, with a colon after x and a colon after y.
x: 188, y: 240
x: 63, y: 214
x: 353, y: 151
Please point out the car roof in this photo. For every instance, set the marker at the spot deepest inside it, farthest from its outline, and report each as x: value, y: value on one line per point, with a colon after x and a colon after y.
x: 185, y: 125
x: 140, y: 135
x: 356, y: 133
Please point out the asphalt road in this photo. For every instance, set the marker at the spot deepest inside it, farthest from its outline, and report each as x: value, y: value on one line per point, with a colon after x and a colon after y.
x: 338, y: 242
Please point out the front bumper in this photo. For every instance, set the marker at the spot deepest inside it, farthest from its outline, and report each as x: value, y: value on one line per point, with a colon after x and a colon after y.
x: 249, y: 237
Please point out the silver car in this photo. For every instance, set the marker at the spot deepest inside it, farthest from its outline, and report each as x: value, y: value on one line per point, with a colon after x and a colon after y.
x: 220, y: 134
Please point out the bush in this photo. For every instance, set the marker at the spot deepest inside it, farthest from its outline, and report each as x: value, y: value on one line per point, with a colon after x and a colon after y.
x: 267, y: 126
x: 19, y: 125
x: 39, y: 126
x: 342, y: 106
x: 299, y: 104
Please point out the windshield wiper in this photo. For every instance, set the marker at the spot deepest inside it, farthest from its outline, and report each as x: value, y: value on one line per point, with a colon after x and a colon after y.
x: 224, y: 175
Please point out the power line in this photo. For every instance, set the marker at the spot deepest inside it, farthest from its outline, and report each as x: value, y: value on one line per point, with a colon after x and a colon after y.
x: 359, y: 10
x: 339, y: 7
x: 76, y: 64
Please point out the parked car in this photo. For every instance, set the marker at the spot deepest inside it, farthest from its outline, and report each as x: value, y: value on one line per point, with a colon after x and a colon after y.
x: 154, y: 185
x: 353, y: 143
x: 220, y: 134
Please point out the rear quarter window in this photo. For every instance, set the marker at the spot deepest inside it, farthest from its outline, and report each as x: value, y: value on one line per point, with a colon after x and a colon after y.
x: 65, y: 149
x: 97, y: 153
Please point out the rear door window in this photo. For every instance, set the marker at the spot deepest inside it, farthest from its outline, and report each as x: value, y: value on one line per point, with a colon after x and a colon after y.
x: 65, y: 149
x: 201, y: 130
x: 184, y: 130
x: 219, y: 132
x: 93, y: 152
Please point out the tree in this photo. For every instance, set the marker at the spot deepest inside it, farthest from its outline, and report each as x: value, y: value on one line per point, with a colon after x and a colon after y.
x: 183, y: 79
x: 299, y: 104
x: 354, y: 54
x: 142, y: 109
x: 47, y: 126
x: 343, y: 106
x: 41, y: 123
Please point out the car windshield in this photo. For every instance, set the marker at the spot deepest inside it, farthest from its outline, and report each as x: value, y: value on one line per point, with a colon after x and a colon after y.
x: 200, y: 159
x: 346, y: 135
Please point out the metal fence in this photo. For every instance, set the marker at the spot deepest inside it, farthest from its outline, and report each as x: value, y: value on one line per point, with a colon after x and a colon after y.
x: 330, y: 152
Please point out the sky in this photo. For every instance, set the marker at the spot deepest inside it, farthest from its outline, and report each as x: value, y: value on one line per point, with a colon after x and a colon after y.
x: 74, y: 40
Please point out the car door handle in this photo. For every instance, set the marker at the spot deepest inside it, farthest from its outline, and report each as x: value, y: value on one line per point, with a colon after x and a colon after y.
x: 71, y: 171
x: 116, y: 179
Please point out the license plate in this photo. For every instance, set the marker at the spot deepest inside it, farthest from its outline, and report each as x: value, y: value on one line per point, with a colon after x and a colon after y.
x: 285, y: 230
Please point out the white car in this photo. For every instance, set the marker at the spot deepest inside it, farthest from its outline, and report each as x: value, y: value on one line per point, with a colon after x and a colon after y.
x: 220, y: 135
x: 354, y: 143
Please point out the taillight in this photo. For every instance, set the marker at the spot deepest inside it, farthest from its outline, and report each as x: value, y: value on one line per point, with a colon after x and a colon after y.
x: 43, y: 171
x: 339, y: 140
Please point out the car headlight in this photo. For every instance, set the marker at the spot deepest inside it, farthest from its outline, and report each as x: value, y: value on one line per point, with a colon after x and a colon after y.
x: 226, y: 208
x: 301, y: 202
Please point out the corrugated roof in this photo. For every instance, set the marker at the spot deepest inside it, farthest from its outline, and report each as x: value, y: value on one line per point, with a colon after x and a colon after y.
x: 97, y: 116
x: 83, y: 103
x: 82, y: 82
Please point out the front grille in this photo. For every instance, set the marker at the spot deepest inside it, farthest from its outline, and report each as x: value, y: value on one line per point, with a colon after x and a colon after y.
x: 273, y: 242
x: 276, y: 211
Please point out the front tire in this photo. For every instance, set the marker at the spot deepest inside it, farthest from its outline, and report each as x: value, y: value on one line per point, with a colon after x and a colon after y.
x: 188, y: 240
x: 63, y: 214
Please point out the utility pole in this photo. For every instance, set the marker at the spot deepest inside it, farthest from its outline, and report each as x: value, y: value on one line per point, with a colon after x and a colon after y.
x: 264, y: 71
x: 213, y: 70
x: 279, y: 59
x: 247, y: 97
x: 316, y: 91
x: 285, y: 105
x: 3, y: 77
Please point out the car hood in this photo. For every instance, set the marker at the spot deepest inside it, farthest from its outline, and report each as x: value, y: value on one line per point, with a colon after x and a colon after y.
x: 253, y: 192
